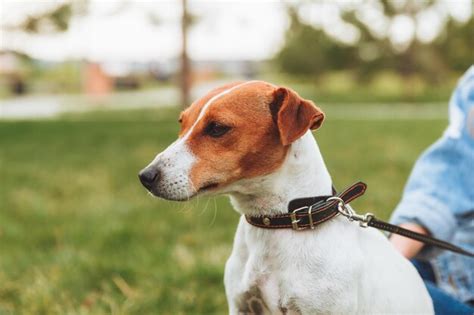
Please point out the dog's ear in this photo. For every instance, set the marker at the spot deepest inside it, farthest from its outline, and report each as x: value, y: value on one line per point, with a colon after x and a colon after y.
x: 294, y: 115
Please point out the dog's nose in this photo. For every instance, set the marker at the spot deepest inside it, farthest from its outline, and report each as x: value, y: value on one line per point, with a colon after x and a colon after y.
x: 148, y: 176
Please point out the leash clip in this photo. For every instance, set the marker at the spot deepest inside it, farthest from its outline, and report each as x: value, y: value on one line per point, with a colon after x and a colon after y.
x: 349, y: 213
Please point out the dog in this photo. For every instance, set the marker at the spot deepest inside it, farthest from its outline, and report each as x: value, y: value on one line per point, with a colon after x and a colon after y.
x: 253, y: 141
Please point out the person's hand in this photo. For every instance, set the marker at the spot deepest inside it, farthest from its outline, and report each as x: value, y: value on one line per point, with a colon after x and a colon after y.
x: 406, y: 246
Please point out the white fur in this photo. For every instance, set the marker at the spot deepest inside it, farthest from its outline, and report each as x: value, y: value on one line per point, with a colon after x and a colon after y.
x: 338, y: 268
x: 175, y: 164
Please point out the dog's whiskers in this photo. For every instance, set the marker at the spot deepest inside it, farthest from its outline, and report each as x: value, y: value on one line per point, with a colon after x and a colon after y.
x: 215, y: 213
x: 150, y: 194
x: 205, y: 207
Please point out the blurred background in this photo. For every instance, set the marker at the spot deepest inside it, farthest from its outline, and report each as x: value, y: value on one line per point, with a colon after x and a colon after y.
x: 90, y: 92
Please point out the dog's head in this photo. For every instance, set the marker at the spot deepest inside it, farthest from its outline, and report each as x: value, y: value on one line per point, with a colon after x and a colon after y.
x: 235, y: 132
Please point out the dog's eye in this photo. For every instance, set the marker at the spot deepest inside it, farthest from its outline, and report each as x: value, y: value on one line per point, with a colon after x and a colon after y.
x: 216, y: 130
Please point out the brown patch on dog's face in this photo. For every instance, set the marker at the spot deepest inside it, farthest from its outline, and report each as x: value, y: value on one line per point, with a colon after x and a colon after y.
x: 240, y: 133
x: 190, y: 115
x: 250, y: 144
x: 294, y: 115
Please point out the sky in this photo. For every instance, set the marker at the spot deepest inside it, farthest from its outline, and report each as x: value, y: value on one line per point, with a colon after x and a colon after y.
x: 123, y: 31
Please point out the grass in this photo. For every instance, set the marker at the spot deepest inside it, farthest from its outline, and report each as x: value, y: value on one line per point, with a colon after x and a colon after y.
x: 79, y: 235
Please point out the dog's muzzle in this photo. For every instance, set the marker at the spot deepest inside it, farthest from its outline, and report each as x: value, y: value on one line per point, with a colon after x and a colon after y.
x: 149, y: 176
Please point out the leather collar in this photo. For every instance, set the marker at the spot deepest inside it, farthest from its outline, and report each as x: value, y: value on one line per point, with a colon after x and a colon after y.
x: 307, y: 213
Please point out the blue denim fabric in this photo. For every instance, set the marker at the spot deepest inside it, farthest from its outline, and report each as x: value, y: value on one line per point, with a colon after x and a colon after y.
x: 439, y: 194
x: 443, y: 302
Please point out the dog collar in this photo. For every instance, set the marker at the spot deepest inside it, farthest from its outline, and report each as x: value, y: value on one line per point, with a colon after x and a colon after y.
x: 307, y: 213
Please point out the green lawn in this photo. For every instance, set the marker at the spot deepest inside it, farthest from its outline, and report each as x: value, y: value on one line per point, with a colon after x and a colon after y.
x: 79, y: 235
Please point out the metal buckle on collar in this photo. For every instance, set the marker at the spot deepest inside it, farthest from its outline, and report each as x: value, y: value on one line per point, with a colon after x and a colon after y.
x: 294, y: 220
x: 310, y: 218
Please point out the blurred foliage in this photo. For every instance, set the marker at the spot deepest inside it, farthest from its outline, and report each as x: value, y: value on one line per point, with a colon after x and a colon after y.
x: 371, y: 69
x: 63, y: 77
x: 311, y: 51
x: 58, y: 19
x: 456, y: 44
x: 54, y: 19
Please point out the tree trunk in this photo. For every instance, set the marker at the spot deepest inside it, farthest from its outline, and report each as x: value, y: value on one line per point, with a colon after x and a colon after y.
x: 185, y: 66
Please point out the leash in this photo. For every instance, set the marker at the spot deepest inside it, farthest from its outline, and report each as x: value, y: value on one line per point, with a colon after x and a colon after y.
x: 307, y: 213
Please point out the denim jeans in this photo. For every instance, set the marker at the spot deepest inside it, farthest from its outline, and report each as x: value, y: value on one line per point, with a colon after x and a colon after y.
x: 443, y: 302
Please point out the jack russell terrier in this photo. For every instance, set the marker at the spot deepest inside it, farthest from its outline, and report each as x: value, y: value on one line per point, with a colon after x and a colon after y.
x: 253, y: 141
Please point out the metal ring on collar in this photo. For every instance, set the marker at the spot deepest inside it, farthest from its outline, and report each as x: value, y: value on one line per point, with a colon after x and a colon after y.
x: 341, y: 207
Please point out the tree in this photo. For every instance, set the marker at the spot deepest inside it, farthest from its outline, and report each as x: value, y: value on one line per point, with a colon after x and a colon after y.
x: 310, y: 51
x: 185, y: 76
x: 55, y: 19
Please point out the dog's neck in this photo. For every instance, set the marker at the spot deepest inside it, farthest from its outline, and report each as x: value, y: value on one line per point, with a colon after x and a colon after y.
x: 302, y: 174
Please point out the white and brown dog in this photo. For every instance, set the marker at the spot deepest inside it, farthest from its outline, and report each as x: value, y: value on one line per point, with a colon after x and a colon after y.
x: 252, y: 141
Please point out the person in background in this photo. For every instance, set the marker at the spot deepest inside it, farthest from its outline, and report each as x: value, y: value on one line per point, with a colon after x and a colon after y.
x: 439, y: 200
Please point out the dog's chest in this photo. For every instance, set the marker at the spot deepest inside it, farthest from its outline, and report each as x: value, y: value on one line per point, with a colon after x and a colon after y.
x: 263, y: 297
x: 263, y: 291
x: 252, y: 301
